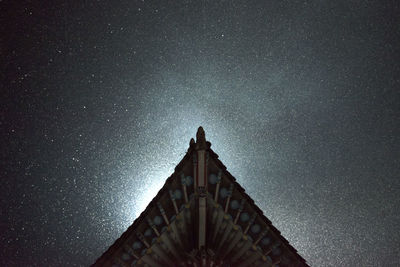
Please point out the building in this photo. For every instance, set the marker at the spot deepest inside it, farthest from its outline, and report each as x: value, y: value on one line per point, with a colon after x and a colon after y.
x: 201, y: 217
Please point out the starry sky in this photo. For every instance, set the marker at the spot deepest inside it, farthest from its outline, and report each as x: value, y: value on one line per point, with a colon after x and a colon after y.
x: 99, y: 100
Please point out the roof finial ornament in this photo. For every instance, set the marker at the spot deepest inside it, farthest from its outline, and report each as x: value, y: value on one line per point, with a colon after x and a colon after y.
x: 192, y: 142
x: 201, y: 139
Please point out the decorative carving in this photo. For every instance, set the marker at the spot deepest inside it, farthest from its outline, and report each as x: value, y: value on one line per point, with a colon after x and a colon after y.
x: 202, y: 191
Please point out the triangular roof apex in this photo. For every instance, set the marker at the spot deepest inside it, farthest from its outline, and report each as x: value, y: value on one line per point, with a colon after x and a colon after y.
x: 258, y: 232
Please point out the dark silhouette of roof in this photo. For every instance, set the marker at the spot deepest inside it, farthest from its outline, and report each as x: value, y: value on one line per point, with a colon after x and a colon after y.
x: 169, y: 231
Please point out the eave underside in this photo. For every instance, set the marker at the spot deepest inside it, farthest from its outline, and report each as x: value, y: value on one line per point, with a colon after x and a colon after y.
x: 236, y: 232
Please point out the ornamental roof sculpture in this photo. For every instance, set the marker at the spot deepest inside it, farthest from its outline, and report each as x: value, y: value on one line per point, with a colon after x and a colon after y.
x: 201, y: 217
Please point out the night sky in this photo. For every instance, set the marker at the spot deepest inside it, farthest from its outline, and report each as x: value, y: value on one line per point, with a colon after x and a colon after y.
x: 99, y: 99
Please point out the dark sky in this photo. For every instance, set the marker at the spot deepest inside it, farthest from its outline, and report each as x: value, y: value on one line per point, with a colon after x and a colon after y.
x: 99, y: 100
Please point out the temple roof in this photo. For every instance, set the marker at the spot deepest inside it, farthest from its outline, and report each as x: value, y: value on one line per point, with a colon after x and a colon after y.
x: 195, y: 223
